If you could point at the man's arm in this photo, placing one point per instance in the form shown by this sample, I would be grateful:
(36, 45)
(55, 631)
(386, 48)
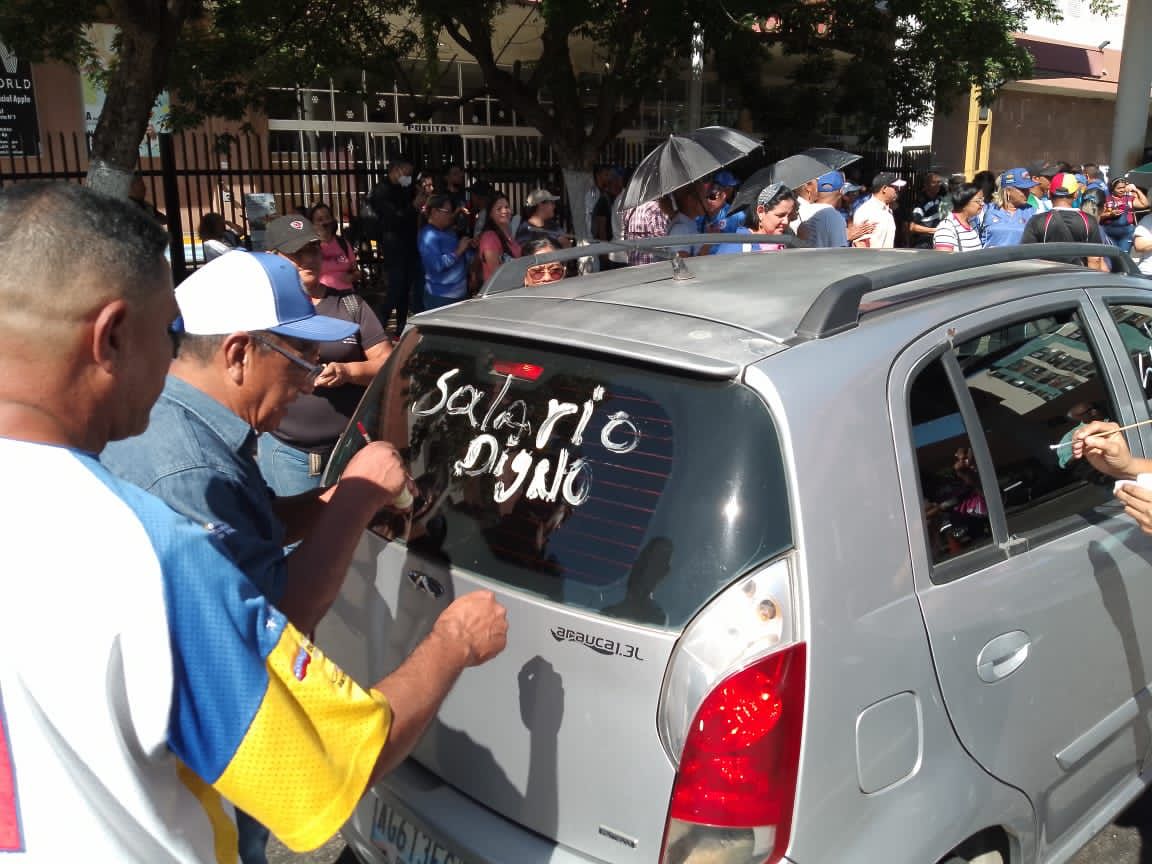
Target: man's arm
(1142, 239)
(316, 568)
(471, 631)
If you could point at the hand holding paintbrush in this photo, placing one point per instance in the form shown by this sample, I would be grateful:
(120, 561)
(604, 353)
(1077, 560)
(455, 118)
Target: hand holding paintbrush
(1107, 451)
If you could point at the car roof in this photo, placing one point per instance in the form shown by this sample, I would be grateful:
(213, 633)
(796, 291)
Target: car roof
(712, 314)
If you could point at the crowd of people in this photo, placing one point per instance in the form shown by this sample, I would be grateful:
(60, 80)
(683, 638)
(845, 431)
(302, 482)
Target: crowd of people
(437, 240)
(1045, 202)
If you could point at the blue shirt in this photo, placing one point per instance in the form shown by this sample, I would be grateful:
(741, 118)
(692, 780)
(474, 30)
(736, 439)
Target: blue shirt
(998, 227)
(445, 275)
(199, 458)
(739, 248)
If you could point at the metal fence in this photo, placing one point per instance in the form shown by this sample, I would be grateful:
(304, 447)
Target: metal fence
(187, 175)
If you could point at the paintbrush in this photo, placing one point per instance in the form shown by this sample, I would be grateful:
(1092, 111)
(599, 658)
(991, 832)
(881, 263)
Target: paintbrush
(1068, 443)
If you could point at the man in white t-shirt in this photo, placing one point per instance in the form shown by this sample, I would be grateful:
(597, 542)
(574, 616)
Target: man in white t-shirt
(878, 209)
(1142, 245)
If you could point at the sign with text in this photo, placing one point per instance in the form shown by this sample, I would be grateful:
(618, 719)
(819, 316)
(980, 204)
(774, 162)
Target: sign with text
(19, 129)
(433, 128)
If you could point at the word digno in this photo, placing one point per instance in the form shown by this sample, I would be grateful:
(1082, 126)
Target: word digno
(487, 454)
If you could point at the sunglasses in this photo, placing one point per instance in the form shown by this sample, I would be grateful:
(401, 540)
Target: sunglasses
(555, 271)
(312, 369)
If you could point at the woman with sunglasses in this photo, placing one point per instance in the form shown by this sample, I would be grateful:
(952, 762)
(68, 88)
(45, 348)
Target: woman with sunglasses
(542, 274)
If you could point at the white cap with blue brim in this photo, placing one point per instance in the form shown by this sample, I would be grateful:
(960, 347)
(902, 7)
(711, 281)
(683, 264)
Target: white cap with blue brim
(257, 291)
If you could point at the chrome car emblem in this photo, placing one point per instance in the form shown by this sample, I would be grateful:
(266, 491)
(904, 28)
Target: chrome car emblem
(426, 583)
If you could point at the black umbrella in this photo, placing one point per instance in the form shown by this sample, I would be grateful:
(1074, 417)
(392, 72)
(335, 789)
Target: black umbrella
(684, 159)
(833, 158)
(1141, 175)
(792, 172)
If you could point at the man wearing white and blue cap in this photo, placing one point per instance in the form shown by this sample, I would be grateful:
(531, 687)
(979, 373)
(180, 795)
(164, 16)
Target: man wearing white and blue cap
(248, 350)
(822, 225)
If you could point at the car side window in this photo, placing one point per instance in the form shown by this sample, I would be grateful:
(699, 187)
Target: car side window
(1033, 383)
(1134, 322)
(955, 513)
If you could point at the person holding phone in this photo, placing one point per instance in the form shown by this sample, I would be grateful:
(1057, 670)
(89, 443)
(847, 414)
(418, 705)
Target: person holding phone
(1118, 218)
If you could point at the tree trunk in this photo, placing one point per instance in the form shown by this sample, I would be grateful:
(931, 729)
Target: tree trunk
(141, 72)
(578, 185)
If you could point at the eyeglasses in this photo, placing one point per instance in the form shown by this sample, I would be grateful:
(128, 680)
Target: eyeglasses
(552, 271)
(176, 334)
(313, 369)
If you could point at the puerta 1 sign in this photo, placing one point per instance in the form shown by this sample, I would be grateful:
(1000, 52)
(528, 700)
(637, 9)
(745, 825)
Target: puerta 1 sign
(501, 428)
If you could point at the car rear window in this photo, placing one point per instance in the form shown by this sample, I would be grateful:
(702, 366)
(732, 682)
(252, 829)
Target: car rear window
(625, 490)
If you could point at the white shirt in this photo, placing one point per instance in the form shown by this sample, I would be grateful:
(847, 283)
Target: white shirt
(86, 674)
(804, 211)
(1143, 259)
(883, 236)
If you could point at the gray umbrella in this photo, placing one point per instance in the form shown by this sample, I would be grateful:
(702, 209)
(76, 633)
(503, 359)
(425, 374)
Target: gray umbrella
(684, 159)
(792, 172)
(833, 158)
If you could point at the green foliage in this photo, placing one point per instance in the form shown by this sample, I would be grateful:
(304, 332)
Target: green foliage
(793, 62)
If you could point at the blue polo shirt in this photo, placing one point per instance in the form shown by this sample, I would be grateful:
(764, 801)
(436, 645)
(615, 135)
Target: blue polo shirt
(199, 458)
(998, 227)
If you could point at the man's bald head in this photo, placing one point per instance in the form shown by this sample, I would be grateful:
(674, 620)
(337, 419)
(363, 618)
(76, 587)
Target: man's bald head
(66, 250)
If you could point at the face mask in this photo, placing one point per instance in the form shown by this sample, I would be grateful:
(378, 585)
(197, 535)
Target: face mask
(405, 180)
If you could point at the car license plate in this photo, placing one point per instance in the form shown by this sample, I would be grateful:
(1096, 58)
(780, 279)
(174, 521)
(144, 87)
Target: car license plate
(408, 843)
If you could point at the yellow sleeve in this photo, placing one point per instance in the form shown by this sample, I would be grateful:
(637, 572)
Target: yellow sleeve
(306, 758)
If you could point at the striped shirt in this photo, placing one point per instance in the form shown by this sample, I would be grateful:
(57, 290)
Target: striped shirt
(952, 235)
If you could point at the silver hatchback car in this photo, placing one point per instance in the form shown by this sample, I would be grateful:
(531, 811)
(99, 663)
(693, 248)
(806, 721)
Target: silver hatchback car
(796, 561)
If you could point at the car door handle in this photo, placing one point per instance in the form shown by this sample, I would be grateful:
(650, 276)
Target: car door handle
(1003, 656)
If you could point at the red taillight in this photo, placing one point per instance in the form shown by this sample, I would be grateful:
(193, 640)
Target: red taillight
(742, 752)
(527, 371)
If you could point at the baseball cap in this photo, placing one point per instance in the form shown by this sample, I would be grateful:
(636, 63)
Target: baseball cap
(849, 188)
(833, 181)
(1019, 178)
(1064, 185)
(539, 196)
(725, 178)
(260, 291)
(289, 234)
(886, 178)
(1043, 168)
